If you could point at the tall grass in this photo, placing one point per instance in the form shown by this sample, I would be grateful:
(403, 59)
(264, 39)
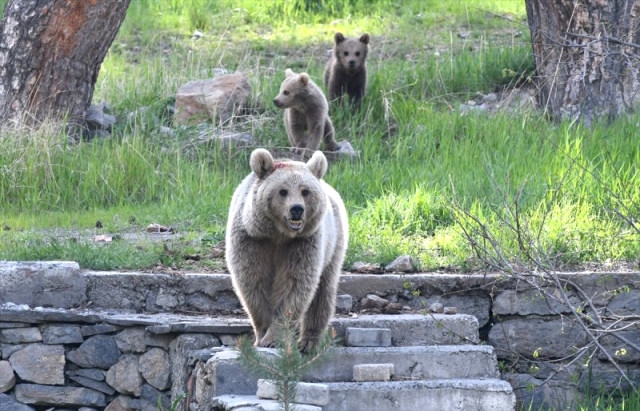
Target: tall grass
(420, 160)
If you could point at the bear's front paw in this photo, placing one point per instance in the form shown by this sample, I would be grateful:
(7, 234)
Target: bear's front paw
(266, 342)
(306, 345)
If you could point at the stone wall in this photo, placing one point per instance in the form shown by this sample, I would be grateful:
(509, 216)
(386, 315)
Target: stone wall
(71, 338)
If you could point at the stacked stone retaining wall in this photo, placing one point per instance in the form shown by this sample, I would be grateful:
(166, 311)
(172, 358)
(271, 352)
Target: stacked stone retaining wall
(78, 339)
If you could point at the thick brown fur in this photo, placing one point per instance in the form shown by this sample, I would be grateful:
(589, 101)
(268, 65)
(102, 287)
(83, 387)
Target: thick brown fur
(306, 113)
(286, 239)
(346, 71)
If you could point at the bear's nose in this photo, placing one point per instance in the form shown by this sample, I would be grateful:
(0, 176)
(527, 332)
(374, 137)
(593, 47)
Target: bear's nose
(352, 63)
(296, 211)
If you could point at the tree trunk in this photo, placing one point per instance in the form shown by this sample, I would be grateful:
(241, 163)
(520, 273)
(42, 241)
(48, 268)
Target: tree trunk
(50, 56)
(587, 56)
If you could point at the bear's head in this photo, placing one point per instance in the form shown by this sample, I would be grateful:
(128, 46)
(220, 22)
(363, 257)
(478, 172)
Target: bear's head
(293, 90)
(351, 53)
(289, 193)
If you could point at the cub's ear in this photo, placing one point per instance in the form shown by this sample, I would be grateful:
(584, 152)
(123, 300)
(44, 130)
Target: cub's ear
(338, 37)
(317, 164)
(261, 162)
(365, 38)
(288, 73)
(304, 78)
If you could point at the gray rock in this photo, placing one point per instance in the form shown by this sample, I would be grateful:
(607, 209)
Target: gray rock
(218, 98)
(625, 303)
(5, 324)
(96, 117)
(373, 301)
(547, 338)
(7, 403)
(99, 351)
(344, 303)
(131, 340)
(93, 373)
(402, 264)
(20, 335)
(58, 396)
(8, 349)
(96, 385)
(40, 363)
(89, 330)
(125, 377)
(155, 367)
(180, 353)
(510, 302)
(123, 403)
(150, 396)
(450, 310)
(436, 308)
(7, 377)
(158, 340)
(61, 334)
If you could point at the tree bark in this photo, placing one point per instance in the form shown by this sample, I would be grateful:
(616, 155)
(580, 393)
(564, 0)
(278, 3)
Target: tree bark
(586, 56)
(50, 56)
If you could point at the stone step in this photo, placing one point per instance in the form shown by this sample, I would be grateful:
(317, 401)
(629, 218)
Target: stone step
(417, 329)
(441, 394)
(225, 375)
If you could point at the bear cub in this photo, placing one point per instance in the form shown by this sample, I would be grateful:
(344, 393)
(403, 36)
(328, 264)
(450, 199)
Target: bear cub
(346, 71)
(286, 238)
(306, 113)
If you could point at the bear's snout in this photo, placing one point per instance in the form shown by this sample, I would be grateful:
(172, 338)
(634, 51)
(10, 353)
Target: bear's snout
(277, 102)
(296, 211)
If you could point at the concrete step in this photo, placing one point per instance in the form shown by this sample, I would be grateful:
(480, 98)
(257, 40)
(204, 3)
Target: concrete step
(442, 394)
(226, 376)
(417, 329)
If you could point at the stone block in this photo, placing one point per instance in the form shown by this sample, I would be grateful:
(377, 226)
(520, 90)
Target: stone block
(344, 303)
(367, 337)
(306, 393)
(372, 372)
(40, 363)
(20, 335)
(57, 284)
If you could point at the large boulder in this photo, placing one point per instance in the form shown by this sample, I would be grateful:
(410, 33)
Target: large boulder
(215, 99)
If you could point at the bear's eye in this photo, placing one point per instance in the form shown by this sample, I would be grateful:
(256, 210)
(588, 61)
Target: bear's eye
(357, 54)
(305, 193)
(286, 92)
(346, 53)
(283, 192)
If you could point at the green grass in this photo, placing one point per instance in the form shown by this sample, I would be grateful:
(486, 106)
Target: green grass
(413, 190)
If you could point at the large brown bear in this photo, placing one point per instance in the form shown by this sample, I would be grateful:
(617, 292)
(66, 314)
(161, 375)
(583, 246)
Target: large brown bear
(346, 71)
(306, 113)
(286, 239)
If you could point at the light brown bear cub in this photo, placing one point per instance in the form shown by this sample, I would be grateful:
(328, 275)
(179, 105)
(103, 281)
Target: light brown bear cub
(346, 71)
(306, 113)
(286, 239)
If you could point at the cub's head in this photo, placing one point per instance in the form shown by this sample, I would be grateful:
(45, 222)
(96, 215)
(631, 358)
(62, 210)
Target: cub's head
(289, 193)
(293, 89)
(351, 53)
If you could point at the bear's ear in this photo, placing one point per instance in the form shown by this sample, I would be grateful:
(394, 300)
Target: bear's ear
(365, 38)
(288, 73)
(304, 78)
(317, 164)
(261, 162)
(339, 38)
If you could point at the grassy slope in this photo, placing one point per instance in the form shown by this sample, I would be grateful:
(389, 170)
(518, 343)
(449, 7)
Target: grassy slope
(408, 191)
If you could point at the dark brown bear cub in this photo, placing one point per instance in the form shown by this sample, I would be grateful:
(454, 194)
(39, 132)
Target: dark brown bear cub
(346, 71)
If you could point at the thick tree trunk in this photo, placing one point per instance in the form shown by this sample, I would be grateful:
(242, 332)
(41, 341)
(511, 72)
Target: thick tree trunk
(587, 56)
(50, 55)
